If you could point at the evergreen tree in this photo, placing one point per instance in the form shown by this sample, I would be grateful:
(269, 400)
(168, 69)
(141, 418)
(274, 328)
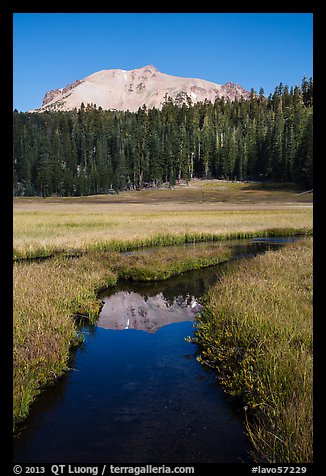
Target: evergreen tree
(304, 156)
(92, 151)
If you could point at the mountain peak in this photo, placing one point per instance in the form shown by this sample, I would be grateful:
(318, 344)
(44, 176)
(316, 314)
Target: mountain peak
(150, 67)
(119, 89)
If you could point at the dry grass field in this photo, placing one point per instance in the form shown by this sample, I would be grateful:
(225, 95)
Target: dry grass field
(204, 210)
(47, 294)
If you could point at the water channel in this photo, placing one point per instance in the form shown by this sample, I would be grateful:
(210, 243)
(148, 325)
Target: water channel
(136, 393)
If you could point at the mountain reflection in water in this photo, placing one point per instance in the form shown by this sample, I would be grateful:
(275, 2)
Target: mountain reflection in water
(131, 310)
(129, 388)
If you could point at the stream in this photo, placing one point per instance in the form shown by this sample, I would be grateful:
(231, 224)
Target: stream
(136, 393)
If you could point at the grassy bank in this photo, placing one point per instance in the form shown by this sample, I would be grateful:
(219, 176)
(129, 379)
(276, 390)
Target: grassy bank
(206, 210)
(48, 294)
(256, 332)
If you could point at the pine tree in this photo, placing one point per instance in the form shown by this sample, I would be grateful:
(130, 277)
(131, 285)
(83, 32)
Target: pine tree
(304, 156)
(90, 150)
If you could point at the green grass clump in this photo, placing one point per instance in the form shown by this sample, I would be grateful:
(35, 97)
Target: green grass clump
(164, 265)
(256, 332)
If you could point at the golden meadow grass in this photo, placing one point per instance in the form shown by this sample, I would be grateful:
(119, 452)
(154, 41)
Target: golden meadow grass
(256, 331)
(43, 229)
(205, 210)
(47, 294)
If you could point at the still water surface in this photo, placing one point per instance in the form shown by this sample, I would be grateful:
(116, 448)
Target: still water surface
(136, 394)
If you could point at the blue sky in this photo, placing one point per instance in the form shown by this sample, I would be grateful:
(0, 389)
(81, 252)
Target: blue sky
(254, 50)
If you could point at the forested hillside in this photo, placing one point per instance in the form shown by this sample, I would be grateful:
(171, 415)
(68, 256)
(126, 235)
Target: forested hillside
(92, 151)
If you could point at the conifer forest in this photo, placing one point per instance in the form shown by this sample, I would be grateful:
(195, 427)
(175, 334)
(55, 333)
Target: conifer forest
(93, 151)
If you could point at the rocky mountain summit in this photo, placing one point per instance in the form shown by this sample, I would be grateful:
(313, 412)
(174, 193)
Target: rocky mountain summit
(118, 89)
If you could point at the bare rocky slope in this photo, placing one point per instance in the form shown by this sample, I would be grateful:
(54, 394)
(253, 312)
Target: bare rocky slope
(118, 89)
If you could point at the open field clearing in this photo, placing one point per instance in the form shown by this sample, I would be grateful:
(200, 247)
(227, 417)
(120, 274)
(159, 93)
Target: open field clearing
(198, 191)
(205, 210)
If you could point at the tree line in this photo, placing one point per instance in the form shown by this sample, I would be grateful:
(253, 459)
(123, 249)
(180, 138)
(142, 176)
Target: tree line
(93, 151)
